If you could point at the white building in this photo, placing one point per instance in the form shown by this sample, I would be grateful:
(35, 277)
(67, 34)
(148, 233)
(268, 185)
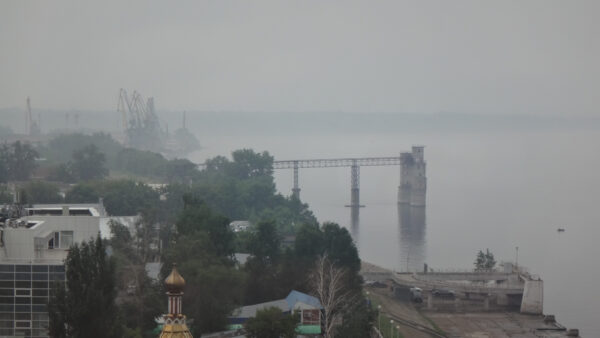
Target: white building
(34, 243)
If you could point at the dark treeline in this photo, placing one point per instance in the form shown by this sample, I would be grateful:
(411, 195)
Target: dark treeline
(81, 157)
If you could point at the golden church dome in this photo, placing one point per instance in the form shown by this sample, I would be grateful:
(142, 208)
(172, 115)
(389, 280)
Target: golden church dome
(174, 282)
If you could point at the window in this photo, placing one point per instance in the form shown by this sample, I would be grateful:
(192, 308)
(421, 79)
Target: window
(23, 324)
(66, 239)
(22, 292)
(311, 317)
(62, 239)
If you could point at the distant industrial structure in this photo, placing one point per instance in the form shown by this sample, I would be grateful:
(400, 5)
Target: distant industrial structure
(143, 130)
(32, 128)
(413, 182)
(140, 123)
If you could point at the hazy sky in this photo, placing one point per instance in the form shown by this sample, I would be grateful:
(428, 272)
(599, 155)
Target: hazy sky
(537, 57)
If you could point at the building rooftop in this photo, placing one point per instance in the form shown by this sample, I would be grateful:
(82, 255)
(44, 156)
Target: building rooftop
(295, 300)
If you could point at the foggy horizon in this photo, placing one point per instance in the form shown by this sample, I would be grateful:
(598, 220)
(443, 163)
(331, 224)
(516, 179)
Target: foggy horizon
(532, 58)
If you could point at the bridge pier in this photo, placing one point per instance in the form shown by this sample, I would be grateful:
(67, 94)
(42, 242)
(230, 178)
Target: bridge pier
(354, 185)
(296, 188)
(355, 189)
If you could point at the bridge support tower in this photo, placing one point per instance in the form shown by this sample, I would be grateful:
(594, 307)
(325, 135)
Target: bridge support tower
(355, 189)
(296, 188)
(354, 185)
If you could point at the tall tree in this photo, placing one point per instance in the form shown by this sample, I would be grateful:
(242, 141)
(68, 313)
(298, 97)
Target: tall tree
(490, 262)
(262, 268)
(198, 217)
(41, 192)
(484, 261)
(265, 242)
(17, 161)
(85, 306)
(247, 163)
(143, 301)
(330, 287)
(180, 171)
(22, 162)
(89, 163)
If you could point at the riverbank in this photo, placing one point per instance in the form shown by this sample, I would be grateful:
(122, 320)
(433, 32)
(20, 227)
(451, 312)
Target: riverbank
(484, 324)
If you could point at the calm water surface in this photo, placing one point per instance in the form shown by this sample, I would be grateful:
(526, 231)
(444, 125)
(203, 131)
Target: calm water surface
(498, 190)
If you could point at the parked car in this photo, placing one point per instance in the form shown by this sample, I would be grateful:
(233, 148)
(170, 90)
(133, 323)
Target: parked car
(375, 284)
(416, 295)
(443, 292)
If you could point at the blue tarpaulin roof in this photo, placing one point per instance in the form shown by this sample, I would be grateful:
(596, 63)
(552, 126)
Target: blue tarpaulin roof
(297, 296)
(286, 305)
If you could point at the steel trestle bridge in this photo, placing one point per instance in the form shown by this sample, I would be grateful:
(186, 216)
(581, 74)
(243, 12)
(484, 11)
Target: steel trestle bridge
(353, 163)
(412, 186)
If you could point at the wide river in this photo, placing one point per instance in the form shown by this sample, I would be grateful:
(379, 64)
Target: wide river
(495, 190)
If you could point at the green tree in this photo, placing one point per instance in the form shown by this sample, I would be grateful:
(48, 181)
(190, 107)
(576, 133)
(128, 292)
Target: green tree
(262, 268)
(203, 250)
(88, 163)
(357, 320)
(247, 163)
(140, 162)
(121, 197)
(62, 173)
(199, 217)
(60, 149)
(490, 262)
(342, 252)
(214, 286)
(272, 323)
(144, 299)
(85, 306)
(265, 242)
(83, 193)
(479, 261)
(484, 261)
(309, 242)
(22, 162)
(41, 192)
(17, 161)
(180, 171)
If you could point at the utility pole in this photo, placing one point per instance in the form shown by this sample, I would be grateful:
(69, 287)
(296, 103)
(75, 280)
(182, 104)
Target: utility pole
(517, 259)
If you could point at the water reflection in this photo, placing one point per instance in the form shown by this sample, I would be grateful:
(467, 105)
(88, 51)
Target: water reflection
(412, 229)
(355, 223)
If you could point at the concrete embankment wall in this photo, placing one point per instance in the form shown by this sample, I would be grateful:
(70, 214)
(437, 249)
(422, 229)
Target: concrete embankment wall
(533, 297)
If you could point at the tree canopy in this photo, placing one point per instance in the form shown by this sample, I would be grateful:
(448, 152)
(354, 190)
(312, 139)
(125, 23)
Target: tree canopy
(121, 197)
(204, 255)
(89, 163)
(85, 306)
(484, 261)
(34, 192)
(17, 161)
(272, 323)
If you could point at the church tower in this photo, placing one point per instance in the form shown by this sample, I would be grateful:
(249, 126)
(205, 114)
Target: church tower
(175, 326)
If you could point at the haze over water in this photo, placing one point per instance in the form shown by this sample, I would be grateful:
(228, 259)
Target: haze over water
(495, 189)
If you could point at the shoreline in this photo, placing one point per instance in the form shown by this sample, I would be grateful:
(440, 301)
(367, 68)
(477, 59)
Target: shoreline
(395, 302)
